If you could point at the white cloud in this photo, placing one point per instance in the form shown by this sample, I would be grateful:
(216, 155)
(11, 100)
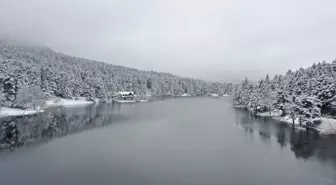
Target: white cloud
(213, 39)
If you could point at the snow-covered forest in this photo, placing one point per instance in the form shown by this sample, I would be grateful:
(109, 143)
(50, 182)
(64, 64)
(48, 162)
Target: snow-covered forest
(31, 74)
(304, 95)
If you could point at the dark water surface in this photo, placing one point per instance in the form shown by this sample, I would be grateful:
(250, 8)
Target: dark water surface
(193, 141)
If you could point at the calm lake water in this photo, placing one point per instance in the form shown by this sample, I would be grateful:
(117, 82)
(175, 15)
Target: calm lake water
(191, 141)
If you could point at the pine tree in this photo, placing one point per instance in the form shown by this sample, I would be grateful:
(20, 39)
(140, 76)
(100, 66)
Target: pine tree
(281, 100)
(10, 88)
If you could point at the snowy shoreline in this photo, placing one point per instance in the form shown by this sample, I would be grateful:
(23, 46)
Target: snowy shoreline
(5, 112)
(327, 126)
(55, 102)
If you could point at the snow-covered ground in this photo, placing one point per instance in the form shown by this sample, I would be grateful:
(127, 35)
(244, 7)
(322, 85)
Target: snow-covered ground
(215, 96)
(185, 95)
(67, 103)
(269, 114)
(287, 119)
(130, 101)
(327, 126)
(124, 101)
(277, 116)
(4, 112)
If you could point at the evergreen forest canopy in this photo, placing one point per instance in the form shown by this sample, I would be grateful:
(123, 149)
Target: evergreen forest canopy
(31, 73)
(306, 94)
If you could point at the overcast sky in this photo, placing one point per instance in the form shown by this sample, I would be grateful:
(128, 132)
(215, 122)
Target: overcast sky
(209, 39)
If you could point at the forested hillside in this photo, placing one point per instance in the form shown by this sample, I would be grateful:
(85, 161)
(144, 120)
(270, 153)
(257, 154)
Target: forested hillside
(42, 73)
(306, 94)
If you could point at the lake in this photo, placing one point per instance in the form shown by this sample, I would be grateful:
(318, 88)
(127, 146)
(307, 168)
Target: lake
(187, 141)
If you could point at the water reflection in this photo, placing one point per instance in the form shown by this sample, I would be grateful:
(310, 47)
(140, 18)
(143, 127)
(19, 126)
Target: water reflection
(304, 144)
(170, 142)
(56, 122)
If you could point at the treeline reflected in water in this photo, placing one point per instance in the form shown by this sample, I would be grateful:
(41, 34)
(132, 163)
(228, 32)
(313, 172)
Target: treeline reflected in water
(57, 122)
(304, 144)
